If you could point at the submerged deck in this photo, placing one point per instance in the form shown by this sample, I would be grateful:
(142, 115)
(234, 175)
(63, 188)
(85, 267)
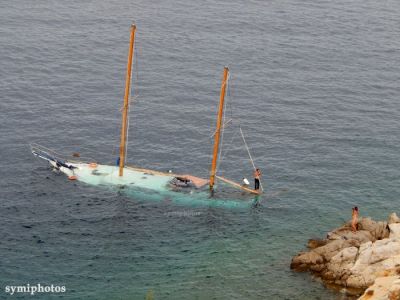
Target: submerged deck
(103, 174)
(143, 178)
(197, 181)
(133, 176)
(239, 186)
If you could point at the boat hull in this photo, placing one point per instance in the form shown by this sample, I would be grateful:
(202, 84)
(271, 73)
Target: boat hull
(109, 175)
(141, 182)
(98, 174)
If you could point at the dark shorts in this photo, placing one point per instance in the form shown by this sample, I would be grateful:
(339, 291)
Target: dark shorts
(256, 183)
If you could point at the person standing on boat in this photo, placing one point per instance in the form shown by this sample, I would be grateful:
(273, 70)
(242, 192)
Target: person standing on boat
(354, 219)
(257, 177)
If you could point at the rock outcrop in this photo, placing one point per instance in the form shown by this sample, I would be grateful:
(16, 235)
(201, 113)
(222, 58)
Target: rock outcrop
(385, 287)
(357, 260)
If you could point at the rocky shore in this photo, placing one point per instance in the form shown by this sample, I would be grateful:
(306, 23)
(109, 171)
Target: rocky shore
(366, 261)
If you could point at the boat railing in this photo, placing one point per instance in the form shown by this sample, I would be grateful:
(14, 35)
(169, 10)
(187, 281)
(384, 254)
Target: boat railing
(36, 148)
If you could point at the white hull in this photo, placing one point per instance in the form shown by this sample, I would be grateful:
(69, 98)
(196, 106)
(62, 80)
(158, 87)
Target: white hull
(109, 175)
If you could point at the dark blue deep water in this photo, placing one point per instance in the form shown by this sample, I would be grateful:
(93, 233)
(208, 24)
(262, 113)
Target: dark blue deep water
(315, 85)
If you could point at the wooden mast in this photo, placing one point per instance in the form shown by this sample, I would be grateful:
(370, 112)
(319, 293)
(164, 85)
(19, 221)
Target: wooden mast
(125, 110)
(218, 130)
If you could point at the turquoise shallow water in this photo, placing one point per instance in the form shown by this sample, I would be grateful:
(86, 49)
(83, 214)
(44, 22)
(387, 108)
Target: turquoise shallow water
(314, 83)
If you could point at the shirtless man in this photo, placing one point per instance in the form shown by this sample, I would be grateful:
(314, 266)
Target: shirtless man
(257, 176)
(354, 219)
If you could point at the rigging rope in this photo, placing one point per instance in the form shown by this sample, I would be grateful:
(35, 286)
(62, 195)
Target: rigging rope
(224, 150)
(248, 151)
(228, 148)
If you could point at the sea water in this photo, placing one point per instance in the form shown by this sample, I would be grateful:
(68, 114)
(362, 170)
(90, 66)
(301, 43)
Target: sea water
(314, 85)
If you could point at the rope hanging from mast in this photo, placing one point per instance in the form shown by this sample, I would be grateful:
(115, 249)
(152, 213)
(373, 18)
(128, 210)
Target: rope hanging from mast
(247, 147)
(222, 154)
(248, 152)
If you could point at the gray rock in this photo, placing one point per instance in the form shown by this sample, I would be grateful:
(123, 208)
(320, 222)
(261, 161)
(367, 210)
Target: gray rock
(378, 230)
(314, 243)
(394, 229)
(350, 259)
(305, 260)
(393, 218)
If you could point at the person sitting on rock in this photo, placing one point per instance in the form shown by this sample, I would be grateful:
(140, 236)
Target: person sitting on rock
(354, 219)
